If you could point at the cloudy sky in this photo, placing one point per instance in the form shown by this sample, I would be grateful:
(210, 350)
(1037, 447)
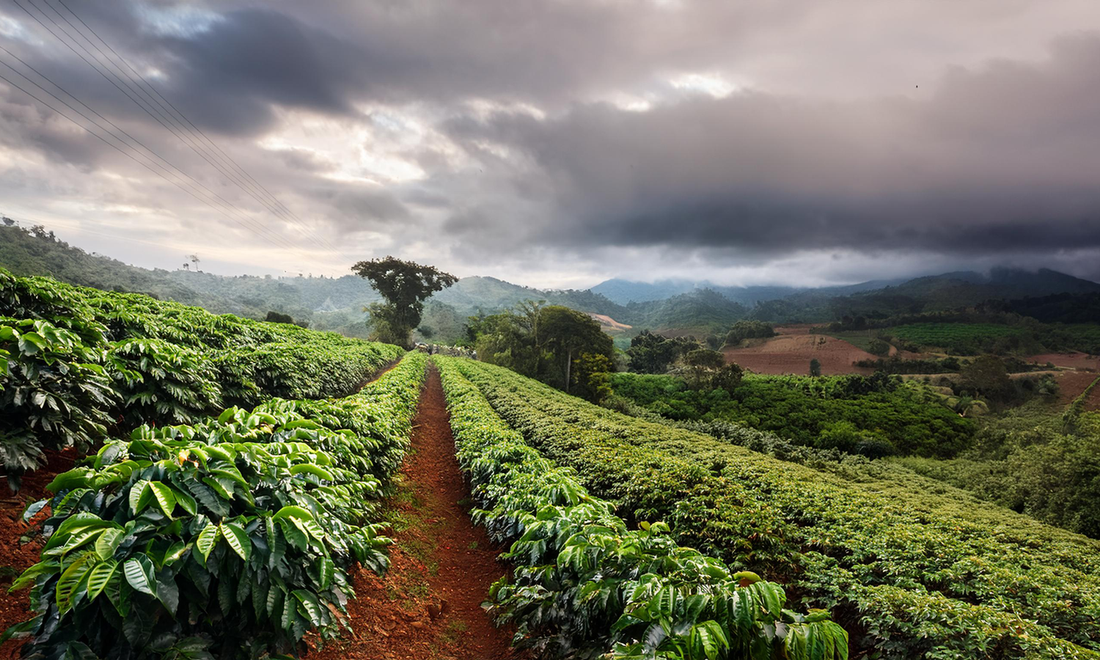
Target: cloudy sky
(560, 142)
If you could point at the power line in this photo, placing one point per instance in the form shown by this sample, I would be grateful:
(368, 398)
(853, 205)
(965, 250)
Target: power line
(232, 170)
(250, 224)
(167, 104)
(115, 147)
(133, 93)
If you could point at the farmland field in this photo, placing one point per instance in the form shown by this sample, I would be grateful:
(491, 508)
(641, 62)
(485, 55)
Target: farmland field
(908, 562)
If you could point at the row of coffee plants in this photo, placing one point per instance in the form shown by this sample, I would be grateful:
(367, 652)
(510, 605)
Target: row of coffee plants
(228, 538)
(923, 572)
(78, 364)
(585, 584)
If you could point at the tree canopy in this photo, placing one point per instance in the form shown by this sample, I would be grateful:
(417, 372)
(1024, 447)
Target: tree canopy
(405, 285)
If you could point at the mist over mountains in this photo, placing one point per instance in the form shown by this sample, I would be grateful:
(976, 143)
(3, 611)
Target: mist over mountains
(680, 306)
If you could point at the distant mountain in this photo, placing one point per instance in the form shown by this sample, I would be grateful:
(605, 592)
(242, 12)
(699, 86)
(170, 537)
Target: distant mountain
(624, 292)
(959, 289)
(327, 303)
(700, 313)
(671, 306)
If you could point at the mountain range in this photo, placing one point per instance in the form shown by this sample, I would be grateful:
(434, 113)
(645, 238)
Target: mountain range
(671, 306)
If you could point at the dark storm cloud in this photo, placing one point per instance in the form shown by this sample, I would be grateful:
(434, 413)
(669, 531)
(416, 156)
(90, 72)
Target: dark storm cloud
(999, 159)
(392, 116)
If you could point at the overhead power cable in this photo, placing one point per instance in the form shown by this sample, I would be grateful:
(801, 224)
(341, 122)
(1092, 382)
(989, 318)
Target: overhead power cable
(119, 149)
(156, 106)
(252, 225)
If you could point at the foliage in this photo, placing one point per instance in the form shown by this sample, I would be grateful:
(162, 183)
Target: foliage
(585, 583)
(743, 330)
(927, 571)
(592, 377)
(54, 393)
(815, 367)
(542, 342)
(855, 414)
(879, 347)
(987, 377)
(231, 537)
(652, 354)
(405, 286)
(80, 363)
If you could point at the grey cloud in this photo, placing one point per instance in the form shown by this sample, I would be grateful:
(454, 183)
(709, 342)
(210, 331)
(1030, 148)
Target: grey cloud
(990, 160)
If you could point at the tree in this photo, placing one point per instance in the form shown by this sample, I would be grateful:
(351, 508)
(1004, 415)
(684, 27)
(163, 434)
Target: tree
(878, 346)
(987, 377)
(748, 330)
(567, 333)
(727, 378)
(652, 354)
(405, 286)
(543, 342)
(702, 362)
(815, 367)
(592, 377)
(278, 317)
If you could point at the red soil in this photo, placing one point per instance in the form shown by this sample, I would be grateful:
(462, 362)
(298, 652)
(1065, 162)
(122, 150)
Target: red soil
(791, 351)
(1072, 383)
(1069, 360)
(429, 603)
(15, 557)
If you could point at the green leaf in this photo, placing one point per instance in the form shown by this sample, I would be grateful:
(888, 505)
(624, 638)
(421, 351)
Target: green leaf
(237, 539)
(99, 576)
(139, 573)
(107, 543)
(314, 470)
(136, 492)
(293, 512)
(164, 496)
(309, 606)
(68, 585)
(186, 502)
(207, 539)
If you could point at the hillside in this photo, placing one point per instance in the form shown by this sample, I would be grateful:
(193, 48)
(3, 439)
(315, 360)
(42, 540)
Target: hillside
(670, 306)
(326, 303)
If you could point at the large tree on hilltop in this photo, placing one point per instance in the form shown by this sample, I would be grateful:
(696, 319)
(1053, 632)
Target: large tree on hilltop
(405, 286)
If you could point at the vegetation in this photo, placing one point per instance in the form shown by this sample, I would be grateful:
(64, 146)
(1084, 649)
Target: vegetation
(1035, 461)
(77, 365)
(653, 354)
(230, 538)
(918, 567)
(544, 341)
(405, 286)
(586, 584)
(743, 330)
(871, 416)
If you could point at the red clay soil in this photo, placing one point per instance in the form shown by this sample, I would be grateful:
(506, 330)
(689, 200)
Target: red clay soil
(1069, 360)
(791, 351)
(428, 605)
(1072, 383)
(15, 557)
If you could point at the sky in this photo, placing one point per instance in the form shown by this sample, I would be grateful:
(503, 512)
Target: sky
(558, 143)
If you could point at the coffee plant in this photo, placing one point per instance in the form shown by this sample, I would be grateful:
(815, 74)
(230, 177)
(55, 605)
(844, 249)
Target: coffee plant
(79, 364)
(229, 538)
(926, 571)
(585, 584)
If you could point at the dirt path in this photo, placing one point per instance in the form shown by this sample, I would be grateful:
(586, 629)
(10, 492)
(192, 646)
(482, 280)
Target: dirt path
(429, 603)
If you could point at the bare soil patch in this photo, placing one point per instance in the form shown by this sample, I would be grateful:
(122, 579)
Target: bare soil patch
(1072, 383)
(16, 557)
(428, 605)
(791, 351)
(1069, 360)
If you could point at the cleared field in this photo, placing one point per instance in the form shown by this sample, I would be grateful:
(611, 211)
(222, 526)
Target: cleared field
(792, 349)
